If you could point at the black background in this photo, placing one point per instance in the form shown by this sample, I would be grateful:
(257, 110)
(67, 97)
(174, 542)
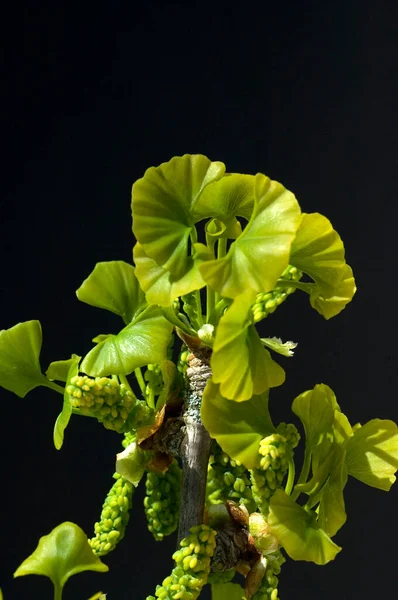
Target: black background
(95, 94)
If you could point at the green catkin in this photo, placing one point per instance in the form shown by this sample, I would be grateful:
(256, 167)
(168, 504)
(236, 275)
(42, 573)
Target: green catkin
(268, 589)
(274, 453)
(104, 398)
(267, 303)
(162, 501)
(227, 479)
(192, 566)
(114, 517)
(290, 433)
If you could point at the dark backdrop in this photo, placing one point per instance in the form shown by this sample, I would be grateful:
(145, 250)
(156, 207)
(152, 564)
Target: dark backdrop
(302, 91)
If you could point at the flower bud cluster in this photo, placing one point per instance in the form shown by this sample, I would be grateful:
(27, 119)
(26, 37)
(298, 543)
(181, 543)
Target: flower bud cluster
(153, 377)
(192, 566)
(267, 303)
(104, 398)
(114, 517)
(182, 363)
(268, 589)
(290, 433)
(269, 476)
(227, 479)
(162, 501)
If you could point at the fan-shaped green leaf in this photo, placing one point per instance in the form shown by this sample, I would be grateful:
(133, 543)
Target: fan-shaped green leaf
(113, 286)
(319, 251)
(298, 531)
(258, 257)
(237, 427)
(231, 196)
(163, 203)
(60, 554)
(142, 342)
(20, 348)
(329, 304)
(240, 363)
(59, 369)
(331, 511)
(161, 286)
(64, 416)
(316, 408)
(372, 453)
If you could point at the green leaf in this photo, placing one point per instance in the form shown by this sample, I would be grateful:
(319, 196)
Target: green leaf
(131, 463)
(331, 511)
(231, 196)
(298, 531)
(261, 253)
(227, 591)
(60, 554)
(372, 453)
(163, 203)
(113, 286)
(64, 416)
(59, 369)
(332, 303)
(160, 286)
(142, 342)
(237, 427)
(318, 251)
(316, 409)
(240, 363)
(20, 348)
(276, 344)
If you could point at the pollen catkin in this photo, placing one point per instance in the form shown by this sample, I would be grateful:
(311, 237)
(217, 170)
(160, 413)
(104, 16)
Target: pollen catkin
(192, 566)
(267, 303)
(227, 479)
(183, 363)
(104, 398)
(290, 433)
(268, 589)
(273, 467)
(114, 517)
(162, 501)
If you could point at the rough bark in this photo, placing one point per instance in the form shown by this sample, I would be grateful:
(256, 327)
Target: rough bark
(195, 447)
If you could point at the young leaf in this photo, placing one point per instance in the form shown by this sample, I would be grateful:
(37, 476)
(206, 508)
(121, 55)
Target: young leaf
(59, 555)
(131, 463)
(231, 196)
(142, 342)
(372, 453)
(316, 408)
(64, 416)
(276, 344)
(298, 531)
(227, 591)
(160, 286)
(240, 363)
(162, 204)
(330, 304)
(237, 427)
(20, 348)
(258, 257)
(331, 511)
(59, 369)
(319, 251)
(113, 286)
